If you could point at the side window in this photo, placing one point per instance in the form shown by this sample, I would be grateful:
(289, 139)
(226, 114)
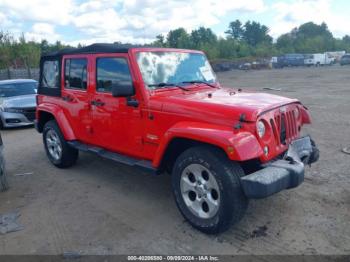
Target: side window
(50, 75)
(75, 75)
(111, 71)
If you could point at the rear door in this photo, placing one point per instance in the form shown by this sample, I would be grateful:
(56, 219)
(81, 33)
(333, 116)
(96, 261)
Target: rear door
(76, 94)
(116, 125)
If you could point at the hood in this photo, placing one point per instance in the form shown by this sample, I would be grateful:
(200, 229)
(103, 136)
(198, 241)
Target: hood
(224, 102)
(18, 101)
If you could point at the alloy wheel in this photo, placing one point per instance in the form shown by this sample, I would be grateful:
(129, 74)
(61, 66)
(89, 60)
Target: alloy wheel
(200, 191)
(53, 144)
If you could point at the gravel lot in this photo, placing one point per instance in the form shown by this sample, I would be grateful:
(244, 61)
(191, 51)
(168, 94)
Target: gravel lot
(99, 207)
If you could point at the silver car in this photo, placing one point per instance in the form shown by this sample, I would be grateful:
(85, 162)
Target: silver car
(17, 102)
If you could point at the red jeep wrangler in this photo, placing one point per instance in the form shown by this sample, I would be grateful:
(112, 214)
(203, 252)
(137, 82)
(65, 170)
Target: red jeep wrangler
(163, 110)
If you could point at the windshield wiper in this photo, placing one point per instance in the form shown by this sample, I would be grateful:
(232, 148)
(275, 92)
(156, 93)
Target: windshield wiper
(199, 82)
(168, 84)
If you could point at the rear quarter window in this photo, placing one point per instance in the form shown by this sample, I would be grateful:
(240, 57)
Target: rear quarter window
(50, 74)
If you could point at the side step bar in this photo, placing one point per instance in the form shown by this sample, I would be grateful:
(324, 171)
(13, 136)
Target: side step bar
(145, 165)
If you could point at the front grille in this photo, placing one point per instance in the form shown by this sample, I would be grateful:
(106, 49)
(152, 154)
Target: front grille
(284, 126)
(30, 116)
(292, 124)
(29, 112)
(283, 131)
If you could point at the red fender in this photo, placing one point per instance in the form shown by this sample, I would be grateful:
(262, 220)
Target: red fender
(238, 146)
(305, 116)
(60, 118)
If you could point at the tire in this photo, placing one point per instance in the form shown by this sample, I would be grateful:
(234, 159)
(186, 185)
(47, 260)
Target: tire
(3, 177)
(316, 152)
(208, 164)
(57, 149)
(1, 124)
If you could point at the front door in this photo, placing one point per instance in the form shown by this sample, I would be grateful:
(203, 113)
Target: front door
(116, 126)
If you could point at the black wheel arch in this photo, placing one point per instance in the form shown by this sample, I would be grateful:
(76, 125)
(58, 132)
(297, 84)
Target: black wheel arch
(43, 118)
(176, 147)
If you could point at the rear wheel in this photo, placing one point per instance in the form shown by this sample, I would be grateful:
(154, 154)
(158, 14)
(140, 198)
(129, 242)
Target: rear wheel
(57, 149)
(3, 177)
(207, 189)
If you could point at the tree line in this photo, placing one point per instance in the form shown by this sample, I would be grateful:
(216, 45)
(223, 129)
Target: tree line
(247, 40)
(252, 39)
(21, 53)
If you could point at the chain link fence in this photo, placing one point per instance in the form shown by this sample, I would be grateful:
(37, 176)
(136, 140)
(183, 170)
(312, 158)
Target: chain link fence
(25, 73)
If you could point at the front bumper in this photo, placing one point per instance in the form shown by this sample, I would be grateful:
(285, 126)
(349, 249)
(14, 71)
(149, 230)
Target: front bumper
(282, 174)
(15, 119)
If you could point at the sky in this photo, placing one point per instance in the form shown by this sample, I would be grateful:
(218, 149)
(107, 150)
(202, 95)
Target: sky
(139, 21)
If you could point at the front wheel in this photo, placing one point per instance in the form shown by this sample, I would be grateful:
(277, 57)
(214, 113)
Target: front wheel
(207, 190)
(57, 149)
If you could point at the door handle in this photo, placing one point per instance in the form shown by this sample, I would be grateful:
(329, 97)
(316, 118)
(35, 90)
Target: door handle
(97, 103)
(132, 102)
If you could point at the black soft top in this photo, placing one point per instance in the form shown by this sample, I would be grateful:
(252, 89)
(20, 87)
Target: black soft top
(57, 57)
(91, 49)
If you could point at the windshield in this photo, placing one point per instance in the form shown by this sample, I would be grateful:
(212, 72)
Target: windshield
(161, 68)
(18, 89)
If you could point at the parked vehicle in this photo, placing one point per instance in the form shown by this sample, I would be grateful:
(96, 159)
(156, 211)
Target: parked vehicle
(274, 62)
(245, 66)
(337, 55)
(163, 110)
(290, 60)
(318, 60)
(345, 60)
(222, 66)
(3, 177)
(17, 102)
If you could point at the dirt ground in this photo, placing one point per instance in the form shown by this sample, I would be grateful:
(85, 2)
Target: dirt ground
(99, 207)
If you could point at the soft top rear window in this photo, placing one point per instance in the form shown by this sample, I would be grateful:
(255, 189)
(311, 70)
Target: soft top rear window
(50, 72)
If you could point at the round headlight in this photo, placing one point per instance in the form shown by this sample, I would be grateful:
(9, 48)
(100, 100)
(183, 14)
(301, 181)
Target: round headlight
(261, 129)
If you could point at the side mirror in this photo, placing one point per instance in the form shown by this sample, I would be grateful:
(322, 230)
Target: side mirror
(123, 90)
